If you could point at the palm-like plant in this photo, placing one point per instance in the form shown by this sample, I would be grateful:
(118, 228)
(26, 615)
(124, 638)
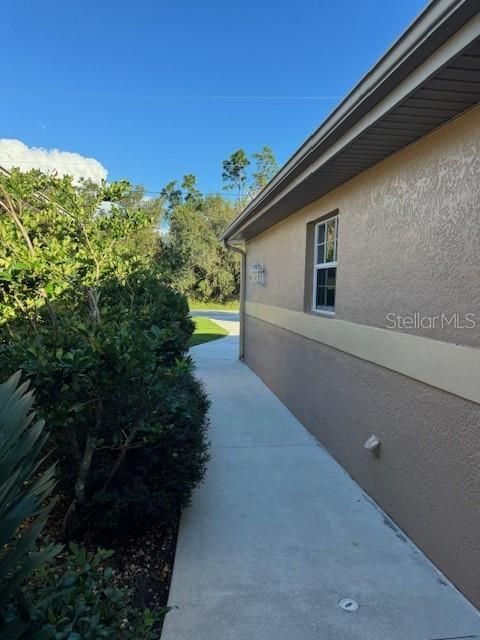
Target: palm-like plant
(24, 493)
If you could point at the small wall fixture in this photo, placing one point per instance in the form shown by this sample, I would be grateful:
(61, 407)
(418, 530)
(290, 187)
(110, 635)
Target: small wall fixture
(257, 273)
(373, 445)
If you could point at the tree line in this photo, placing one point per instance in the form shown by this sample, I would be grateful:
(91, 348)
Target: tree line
(192, 256)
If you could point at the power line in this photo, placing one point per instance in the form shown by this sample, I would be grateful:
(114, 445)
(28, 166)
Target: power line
(153, 96)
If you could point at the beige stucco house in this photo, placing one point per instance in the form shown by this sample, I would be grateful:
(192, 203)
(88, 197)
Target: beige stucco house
(361, 296)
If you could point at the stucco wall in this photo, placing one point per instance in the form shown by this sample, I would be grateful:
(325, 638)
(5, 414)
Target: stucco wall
(409, 242)
(409, 238)
(427, 475)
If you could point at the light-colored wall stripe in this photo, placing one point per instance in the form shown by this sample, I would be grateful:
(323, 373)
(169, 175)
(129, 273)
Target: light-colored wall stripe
(448, 366)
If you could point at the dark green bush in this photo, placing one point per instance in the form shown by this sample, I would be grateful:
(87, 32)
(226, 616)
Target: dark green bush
(156, 480)
(149, 447)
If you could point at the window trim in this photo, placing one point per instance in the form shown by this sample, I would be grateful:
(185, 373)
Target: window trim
(326, 311)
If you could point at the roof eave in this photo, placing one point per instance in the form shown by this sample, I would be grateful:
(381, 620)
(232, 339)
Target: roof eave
(435, 25)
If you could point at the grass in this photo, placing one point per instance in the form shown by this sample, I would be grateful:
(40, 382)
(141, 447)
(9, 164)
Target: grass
(198, 305)
(206, 330)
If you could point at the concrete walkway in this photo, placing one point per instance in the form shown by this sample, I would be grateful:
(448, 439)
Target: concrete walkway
(278, 534)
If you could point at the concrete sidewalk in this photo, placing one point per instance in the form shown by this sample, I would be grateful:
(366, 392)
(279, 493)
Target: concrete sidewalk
(278, 534)
(230, 320)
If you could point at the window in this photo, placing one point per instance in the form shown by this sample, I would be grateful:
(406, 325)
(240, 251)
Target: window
(325, 254)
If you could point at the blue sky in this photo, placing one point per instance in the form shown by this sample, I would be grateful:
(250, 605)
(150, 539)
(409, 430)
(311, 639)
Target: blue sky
(156, 89)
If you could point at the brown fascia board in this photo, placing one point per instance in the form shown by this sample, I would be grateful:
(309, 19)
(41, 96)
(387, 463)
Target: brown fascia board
(436, 24)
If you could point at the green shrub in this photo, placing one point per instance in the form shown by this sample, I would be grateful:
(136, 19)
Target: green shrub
(148, 447)
(23, 497)
(76, 599)
(87, 316)
(156, 480)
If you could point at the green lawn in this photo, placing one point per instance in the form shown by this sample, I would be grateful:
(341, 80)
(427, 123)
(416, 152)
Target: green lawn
(206, 330)
(198, 305)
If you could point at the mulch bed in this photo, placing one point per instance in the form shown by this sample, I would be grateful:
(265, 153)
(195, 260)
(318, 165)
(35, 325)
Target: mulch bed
(142, 562)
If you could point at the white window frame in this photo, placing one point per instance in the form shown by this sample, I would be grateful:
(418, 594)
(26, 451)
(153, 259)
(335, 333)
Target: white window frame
(317, 266)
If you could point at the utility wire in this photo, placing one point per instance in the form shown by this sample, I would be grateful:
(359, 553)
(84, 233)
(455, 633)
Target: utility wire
(153, 96)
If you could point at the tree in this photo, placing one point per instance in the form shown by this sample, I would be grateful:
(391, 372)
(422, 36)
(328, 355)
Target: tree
(234, 174)
(189, 188)
(265, 168)
(199, 264)
(172, 195)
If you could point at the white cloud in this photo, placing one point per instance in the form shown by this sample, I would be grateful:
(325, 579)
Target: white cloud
(14, 153)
